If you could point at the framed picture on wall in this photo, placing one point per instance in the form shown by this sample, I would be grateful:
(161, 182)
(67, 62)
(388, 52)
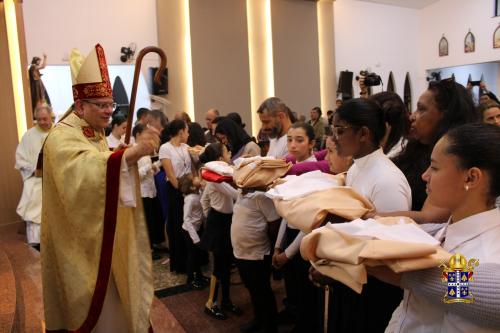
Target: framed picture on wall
(497, 8)
(469, 43)
(496, 38)
(443, 46)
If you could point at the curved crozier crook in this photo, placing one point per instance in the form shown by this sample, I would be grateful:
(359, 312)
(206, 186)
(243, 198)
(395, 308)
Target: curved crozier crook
(157, 78)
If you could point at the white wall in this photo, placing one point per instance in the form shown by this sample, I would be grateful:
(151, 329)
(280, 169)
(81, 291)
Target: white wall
(379, 37)
(55, 27)
(454, 18)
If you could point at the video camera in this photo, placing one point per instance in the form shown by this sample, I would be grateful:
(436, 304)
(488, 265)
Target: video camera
(371, 79)
(434, 76)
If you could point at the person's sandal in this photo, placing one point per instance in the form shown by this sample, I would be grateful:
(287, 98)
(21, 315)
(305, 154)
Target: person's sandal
(215, 312)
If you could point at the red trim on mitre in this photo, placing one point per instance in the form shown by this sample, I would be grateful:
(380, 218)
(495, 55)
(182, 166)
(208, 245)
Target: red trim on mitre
(95, 89)
(108, 237)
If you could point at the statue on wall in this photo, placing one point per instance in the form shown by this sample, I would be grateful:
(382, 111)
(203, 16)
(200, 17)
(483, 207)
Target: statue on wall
(39, 95)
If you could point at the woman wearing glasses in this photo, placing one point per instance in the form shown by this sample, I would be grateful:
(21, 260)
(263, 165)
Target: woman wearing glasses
(359, 127)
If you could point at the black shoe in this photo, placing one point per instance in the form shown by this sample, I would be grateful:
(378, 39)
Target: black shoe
(215, 312)
(234, 309)
(160, 248)
(155, 255)
(196, 285)
(202, 278)
(251, 327)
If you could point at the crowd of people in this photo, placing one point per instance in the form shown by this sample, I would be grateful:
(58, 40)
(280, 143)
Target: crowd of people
(439, 165)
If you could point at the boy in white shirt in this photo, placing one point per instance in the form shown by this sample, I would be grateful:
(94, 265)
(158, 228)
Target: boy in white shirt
(193, 221)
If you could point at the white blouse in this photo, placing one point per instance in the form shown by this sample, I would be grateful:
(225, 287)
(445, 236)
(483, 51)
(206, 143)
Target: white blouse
(193, 216)
(474, 237)
(219, 196)
(146, 176)
(379, 180)
(112, 141)
(178, 156)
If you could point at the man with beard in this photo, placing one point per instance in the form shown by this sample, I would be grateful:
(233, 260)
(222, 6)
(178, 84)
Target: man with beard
(275, 118)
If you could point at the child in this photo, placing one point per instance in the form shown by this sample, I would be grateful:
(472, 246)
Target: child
(217, 202)
(152, 210)
(193, 220)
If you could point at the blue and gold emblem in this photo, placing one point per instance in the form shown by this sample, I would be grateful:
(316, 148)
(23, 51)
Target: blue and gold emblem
(457, 275)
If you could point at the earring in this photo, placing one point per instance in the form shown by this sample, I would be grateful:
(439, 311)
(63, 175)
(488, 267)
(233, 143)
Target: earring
(466, 187)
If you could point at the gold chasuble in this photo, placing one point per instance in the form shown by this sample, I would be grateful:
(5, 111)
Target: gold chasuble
(90, 241)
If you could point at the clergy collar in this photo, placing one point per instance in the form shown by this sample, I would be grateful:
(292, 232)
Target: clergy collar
(363, 161)
(470, 227)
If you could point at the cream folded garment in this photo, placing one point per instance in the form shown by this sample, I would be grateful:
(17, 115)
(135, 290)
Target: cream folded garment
(343, 251)
(305, 201)
(259, 172)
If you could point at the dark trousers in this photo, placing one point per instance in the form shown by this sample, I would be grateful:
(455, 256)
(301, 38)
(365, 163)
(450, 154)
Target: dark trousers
(222, 271)
(154, 221)
(176, 241)
(195, 257)
(303, 294)
(256, 276)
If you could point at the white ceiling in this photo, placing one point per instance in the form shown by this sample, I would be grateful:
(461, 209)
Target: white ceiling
(417, 4)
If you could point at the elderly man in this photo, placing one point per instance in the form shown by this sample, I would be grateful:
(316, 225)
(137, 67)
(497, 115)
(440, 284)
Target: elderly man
(275, 118)
(30, 205)
(96, 261)
(209, 118)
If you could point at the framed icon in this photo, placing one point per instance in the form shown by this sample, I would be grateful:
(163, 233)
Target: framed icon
(469, 43)
(496, 38)
(443, 46)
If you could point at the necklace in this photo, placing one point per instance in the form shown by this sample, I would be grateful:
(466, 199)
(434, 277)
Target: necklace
(180, 154)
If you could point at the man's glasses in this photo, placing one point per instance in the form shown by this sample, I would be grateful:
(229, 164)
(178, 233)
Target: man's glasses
(103, 106)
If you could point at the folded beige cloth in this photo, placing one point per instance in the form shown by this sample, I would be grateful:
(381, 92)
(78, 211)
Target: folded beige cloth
(309, 212)
(344, 257)
(260, 173)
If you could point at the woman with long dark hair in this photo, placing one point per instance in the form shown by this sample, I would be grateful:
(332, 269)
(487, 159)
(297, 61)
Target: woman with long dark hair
(443, 106)
(397, 120)
(176, 162)
(236, 139)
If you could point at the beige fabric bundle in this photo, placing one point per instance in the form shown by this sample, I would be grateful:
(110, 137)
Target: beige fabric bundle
(309, 212)
(345, 258)
(260, 173)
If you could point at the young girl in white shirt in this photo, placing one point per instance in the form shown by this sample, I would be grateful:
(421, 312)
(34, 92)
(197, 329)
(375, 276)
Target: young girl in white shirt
(359, 127)
(217, 202)
(301, 294)
(464, 177)
(118, 128)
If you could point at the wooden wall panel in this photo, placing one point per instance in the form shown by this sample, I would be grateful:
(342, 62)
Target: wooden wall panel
(10, 179)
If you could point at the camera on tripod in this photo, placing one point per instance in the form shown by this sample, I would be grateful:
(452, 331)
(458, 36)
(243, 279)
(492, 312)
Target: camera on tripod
(371, 79)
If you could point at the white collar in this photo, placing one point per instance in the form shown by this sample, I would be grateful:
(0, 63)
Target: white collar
(470, 227)
(362, 162)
